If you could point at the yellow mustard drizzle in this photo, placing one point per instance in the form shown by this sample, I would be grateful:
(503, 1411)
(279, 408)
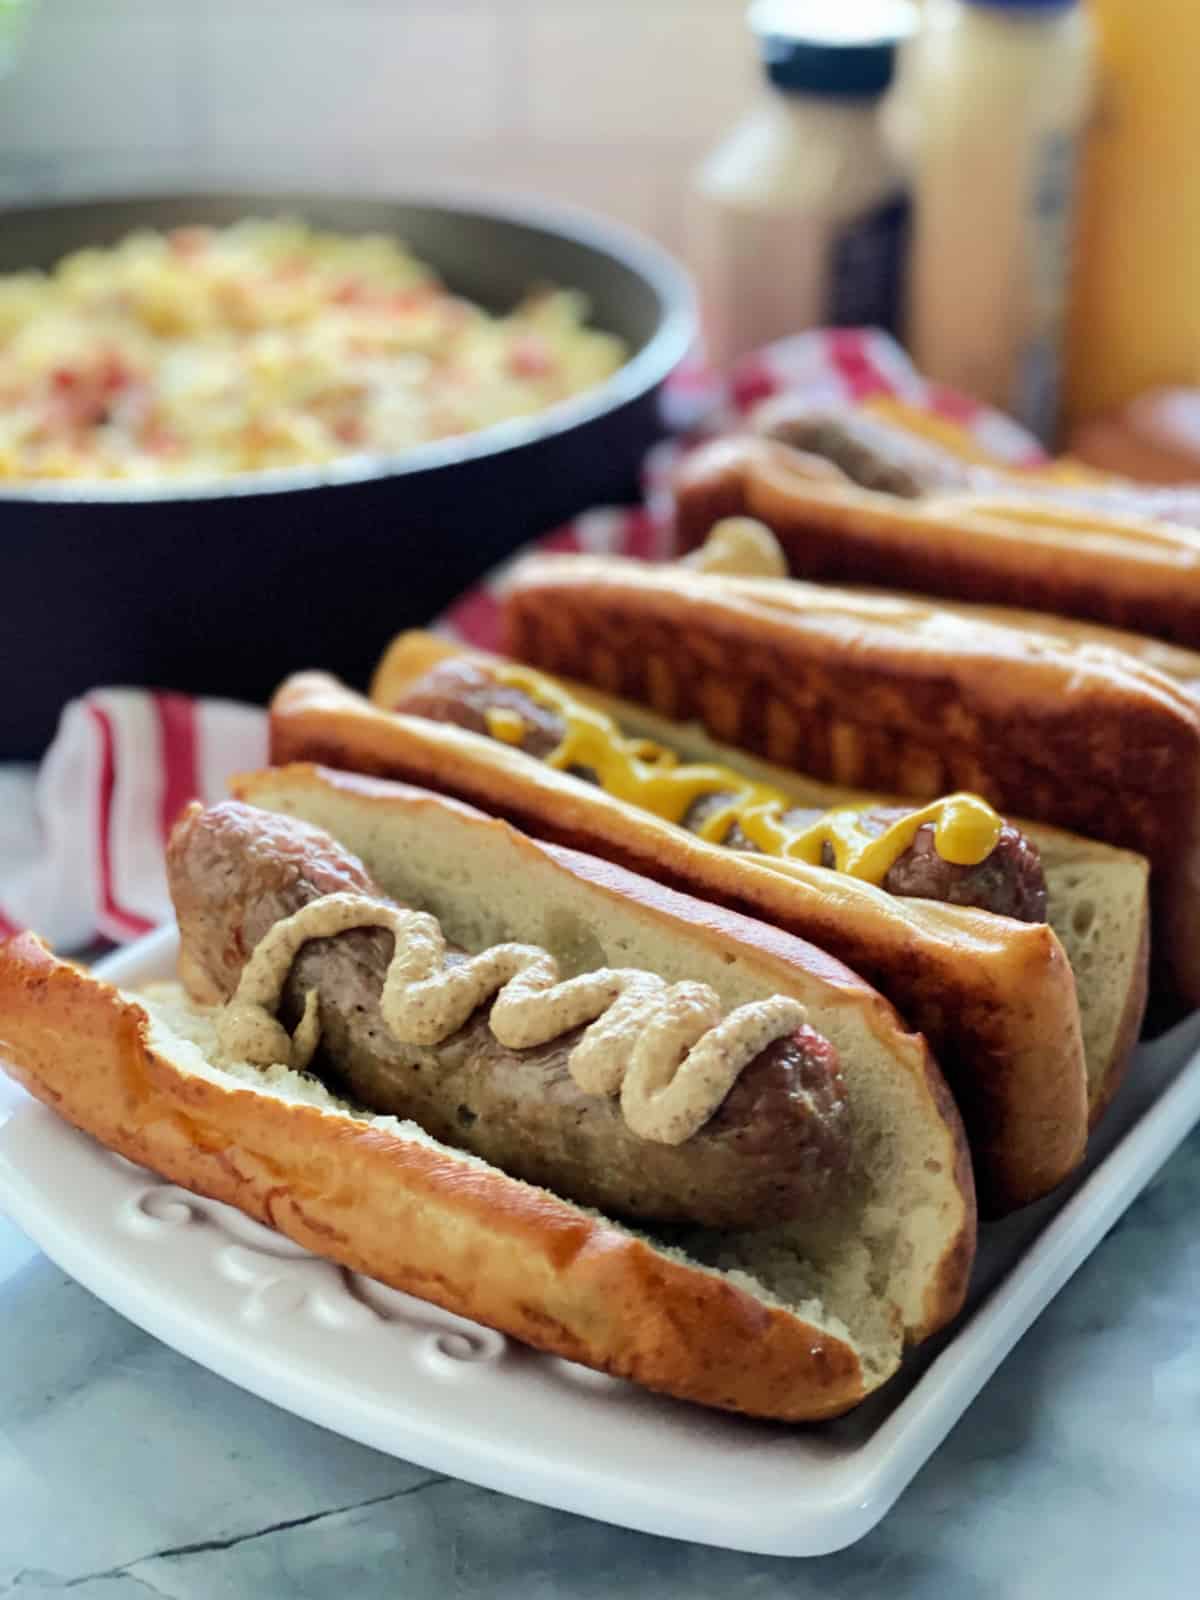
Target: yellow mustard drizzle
(505, 725)
(649, 775)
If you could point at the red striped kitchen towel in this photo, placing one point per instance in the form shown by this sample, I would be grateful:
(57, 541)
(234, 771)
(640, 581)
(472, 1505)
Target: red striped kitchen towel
(81, 844)
(81, 840)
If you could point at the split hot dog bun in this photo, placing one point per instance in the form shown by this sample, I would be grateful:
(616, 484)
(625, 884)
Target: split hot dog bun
(888, 692)
(744, 547)
(1088, 554)
(485, 1051)
(794, 1322)
(995, 996)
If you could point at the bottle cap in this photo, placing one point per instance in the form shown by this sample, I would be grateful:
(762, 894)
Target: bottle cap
(841, 50)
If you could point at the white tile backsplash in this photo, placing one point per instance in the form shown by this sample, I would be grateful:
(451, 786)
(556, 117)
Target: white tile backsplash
(82, 84)
(604, 104)
(662, 71)
(364, 79)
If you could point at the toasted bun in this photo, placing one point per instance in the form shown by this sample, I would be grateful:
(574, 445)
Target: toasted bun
(996, 997)
(793, 1323)
(891, 693)
(1098, 896)
(1002, 545)
(701, 507)
(1172, 660)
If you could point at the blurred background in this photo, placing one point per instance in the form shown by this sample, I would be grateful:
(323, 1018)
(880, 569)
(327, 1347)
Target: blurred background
(604, 104)
(995, 198)
(611, 105)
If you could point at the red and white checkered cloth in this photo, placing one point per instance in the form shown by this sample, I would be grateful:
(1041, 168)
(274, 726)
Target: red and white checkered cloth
(81, 839)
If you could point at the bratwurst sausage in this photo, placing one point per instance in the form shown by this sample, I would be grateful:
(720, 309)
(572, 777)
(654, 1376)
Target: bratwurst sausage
(774, 1149)
(871, 452)
(1008, 881)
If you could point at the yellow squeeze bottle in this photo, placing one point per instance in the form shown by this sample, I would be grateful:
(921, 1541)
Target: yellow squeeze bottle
(1135, 312)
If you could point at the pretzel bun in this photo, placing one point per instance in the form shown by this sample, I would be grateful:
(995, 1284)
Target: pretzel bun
(795, 1322)
(1111, 554)
(1031, 1045)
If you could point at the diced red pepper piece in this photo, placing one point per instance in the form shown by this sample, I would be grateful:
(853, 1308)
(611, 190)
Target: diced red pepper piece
(530, 358)
(189, 242)
(414, 299)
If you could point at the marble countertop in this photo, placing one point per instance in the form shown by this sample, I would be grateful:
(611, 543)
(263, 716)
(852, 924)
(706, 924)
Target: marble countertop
(126, 1471)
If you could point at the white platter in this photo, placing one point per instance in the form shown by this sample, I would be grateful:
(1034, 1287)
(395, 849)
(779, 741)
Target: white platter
(395, 1373)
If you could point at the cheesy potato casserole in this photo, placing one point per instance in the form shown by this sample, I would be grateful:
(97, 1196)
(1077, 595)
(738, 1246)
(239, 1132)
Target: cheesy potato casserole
(204, 352)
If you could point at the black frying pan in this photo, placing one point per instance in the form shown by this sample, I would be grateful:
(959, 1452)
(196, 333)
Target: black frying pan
(223, 588)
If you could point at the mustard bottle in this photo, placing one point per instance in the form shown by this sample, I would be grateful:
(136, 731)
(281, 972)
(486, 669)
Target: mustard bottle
(1135, 314)
(990, 106)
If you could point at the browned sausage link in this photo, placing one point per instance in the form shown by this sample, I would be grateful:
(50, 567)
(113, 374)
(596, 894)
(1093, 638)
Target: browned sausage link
(1009, 881)
(774, 1150)
(463, 692)
(872, 453)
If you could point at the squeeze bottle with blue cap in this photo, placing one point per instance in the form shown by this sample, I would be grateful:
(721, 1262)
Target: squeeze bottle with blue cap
(798, 218)
(990, 106)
